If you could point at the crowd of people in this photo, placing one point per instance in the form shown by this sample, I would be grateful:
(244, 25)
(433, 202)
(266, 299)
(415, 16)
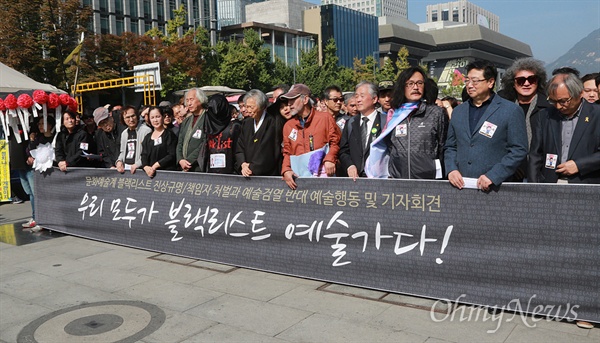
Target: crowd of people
(532, 130)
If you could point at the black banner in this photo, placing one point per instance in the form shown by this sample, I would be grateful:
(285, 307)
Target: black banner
(530, 246)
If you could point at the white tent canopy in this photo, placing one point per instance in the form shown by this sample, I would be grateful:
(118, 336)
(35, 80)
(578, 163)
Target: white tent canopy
(210, 90)
(11, 81)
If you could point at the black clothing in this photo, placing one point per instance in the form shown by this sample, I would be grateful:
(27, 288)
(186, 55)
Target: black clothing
(259, 149)
(161, 150)
(109, 145)
(221, 149)
(71, 146)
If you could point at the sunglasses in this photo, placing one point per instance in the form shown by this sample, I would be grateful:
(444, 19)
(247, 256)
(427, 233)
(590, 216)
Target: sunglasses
(532, 79)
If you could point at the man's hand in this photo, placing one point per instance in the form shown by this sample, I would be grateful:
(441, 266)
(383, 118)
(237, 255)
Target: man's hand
(185, 165)
(484, 183)
(456, 179)
(62, 165)
(30, 161)
(246, 169)
(133, 168)
(329, 168)
(568, 168)
(352, 172)
(289, 177)
(120, 167)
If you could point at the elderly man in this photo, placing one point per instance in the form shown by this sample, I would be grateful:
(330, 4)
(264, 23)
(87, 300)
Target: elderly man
(416, 144)
(308, 130)
(524, 84)
(350, 102)
(487, 137)
(257, 152)
(191, 145)
(565, 147)
(361, 130)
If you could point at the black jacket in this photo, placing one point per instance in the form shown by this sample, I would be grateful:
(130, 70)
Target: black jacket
(352, 151)
(109, 145)
(584, 148)
(259, 149)
(418, 145)
(71, 146)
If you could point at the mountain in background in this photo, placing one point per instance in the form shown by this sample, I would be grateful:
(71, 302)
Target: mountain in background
(585, 56)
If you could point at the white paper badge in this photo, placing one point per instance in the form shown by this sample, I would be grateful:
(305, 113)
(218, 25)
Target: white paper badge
(341, 123)
(293, 135)
(158, 141)
(197, 134)
(129, 154)
(217, 161)
(401, 130)
(488, 129)
(83, 146)
(551, 161)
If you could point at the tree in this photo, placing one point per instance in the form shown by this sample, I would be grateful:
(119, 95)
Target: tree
(402, 61)
(364, 71)
(37, 35)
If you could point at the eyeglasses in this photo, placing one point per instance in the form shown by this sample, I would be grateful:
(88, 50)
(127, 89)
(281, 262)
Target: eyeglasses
(411, 84)
(474, 82)
(337, 99)
(532, 79)
(562, 102)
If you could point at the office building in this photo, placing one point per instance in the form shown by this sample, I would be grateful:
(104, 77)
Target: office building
(378, 8)
(463, 12)
(284, 13)
(232, 12)
(355, 33)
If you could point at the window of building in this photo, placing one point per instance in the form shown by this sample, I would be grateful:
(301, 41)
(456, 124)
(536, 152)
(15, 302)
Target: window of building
(135, 28)
(103, 5)
(434, 15)
(120, 26)
(119, 7)
(104, 27)
(455, 14)
(133, 10)
(444, 15)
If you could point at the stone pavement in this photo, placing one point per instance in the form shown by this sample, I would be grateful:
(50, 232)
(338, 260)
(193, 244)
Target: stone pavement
(65, 289)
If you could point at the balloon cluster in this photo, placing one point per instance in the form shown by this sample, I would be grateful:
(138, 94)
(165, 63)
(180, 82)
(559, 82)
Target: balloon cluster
(15, 111)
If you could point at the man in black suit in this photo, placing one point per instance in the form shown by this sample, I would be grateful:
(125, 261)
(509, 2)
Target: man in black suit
(565, 145)
(361, 130)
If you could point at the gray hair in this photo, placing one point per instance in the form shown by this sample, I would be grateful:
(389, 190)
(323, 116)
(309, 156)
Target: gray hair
(348, 96)
(261, 99)
(529, 64)
(571, 81)
(200, 95)
(371, 87)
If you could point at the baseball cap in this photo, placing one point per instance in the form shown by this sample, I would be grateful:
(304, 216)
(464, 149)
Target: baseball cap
(296, 90)
(100, 114)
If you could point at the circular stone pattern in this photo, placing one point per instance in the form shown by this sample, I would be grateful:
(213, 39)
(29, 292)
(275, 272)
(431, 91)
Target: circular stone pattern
(107, 321)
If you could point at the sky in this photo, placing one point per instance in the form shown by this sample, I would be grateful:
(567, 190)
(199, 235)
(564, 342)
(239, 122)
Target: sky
(550, 27)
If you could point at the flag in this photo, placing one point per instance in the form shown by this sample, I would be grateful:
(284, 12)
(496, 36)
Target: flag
(74, 55)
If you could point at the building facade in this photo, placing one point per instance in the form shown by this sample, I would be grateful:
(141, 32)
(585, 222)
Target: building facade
(378, 8)
(233, 12)
(463, 12)
(356, 34)
(139, 16)
(284, 13)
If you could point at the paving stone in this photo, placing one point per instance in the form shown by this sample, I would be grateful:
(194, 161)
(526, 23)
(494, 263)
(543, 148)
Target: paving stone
(355, 291)
(225, 268)
(29, 285)
(437, 340)
(321, 328)
(174, 259)
(543, 323)
(106, 279)
(246, 286)
(168, 294)
(74, 295)
(178, 327)
(15, 314)
(527, 335)
(8, 271)
(227, 333)
(417, 301)
(170, 271)
(335, 305)
(444, 326)
(54, 265)
(256, 316)
(75, 250)
(10, 257)
(121, 259)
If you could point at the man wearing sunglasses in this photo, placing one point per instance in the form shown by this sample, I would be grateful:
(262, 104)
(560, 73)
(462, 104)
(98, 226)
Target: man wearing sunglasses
(568, 134)
(487, 138)
(334, 99)
(524, 84)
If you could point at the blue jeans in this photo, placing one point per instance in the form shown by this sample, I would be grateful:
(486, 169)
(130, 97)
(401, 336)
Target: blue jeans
(26, 176)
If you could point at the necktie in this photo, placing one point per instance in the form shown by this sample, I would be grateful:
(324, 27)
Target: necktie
(364, 131)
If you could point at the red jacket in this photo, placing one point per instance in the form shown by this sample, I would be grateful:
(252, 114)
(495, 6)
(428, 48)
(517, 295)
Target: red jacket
(323, 129)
